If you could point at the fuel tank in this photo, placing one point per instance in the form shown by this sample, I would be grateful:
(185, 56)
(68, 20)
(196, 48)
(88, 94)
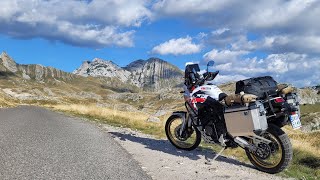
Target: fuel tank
(210, 90)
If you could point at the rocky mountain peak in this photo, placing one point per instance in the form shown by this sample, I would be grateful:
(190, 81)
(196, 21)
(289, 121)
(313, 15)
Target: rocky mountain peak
(8, 62)
(97, 61)
(154, 59)
(82, 70)
(102, 68)
(154, 73)
(135, 65)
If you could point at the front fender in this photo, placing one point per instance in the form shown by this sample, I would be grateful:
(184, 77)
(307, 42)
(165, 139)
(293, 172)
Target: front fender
(181, 114)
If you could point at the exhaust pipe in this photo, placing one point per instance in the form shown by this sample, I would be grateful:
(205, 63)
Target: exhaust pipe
(245, 144)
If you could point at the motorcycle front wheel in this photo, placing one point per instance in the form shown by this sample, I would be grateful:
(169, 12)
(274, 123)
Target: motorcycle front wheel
(190, 138)
(274, 157)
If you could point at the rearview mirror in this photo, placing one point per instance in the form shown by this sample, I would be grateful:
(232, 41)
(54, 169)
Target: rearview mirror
(210, 63)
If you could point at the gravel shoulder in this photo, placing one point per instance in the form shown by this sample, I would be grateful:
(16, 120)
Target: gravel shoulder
(163, 161)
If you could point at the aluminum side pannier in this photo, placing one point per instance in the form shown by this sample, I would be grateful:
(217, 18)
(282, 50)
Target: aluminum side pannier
(246, 120)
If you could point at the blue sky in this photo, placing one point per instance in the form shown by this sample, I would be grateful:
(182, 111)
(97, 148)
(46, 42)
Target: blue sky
(245, 38)
(68, 57)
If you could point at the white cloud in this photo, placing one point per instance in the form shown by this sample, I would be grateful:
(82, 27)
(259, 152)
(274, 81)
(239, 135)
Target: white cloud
(180, 46)
(223, 56)
(86, 23)
(82, 35)
(220, 31)
(187, 7)
(298, 69)
(202, 35)
(231, 13)
(280, 44)
(282, 13)
(221, 79)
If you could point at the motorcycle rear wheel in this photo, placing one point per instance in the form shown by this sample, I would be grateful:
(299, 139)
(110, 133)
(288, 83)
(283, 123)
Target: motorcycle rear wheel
(280, 152)
(190, 139)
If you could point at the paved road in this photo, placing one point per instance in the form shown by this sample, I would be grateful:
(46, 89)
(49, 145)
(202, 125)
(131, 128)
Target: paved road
(36, 143)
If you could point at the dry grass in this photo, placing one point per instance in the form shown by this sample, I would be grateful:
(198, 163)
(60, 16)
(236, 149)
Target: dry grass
(134, 120)
(7, 102)
(309, 142)
(103, 112)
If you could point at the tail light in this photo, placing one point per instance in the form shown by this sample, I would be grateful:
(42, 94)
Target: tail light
(279, 100)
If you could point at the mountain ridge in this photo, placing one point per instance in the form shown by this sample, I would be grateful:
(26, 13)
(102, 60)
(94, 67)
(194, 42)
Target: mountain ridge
(31, 71)
(153, 73)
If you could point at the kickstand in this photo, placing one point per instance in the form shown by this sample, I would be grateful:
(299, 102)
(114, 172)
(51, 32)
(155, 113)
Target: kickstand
(215, 157)
(220, 152)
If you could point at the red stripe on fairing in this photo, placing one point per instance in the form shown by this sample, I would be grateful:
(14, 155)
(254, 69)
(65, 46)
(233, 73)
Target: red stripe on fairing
(200, 100)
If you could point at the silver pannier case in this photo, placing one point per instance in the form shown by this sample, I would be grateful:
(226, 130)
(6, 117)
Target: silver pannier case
(246, 120)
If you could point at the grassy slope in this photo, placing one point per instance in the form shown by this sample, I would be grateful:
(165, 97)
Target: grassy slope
(7, 102)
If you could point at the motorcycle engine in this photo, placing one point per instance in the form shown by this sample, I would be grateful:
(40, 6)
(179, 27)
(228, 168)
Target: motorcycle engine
(212, 121)
(215, 130)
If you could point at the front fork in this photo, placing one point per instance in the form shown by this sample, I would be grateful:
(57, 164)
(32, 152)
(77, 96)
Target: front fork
(186, 121)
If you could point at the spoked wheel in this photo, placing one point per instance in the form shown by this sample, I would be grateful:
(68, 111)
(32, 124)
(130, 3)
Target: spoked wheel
(274, 157)
(188, 140)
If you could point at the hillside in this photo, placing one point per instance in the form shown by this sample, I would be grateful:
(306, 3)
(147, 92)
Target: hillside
(102, 85)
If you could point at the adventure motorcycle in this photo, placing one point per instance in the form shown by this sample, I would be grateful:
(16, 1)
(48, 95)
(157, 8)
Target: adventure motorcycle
(252, 118)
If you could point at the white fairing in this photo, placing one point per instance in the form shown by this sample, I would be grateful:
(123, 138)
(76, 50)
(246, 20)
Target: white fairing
(210, 90)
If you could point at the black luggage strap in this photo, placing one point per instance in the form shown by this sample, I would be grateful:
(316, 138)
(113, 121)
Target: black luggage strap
(269, 102)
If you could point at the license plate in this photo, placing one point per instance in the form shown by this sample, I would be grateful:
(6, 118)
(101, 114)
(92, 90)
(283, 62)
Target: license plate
(295, 121)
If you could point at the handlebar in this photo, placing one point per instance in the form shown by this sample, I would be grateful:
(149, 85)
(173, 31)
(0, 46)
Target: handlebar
(208, 76)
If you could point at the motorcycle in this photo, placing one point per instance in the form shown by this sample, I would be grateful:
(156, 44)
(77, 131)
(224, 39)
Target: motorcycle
(239, 120)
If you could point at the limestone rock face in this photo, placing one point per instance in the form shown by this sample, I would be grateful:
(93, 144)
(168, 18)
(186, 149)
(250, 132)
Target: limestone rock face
(154, 73)
(82, 70)
(8, 63)
(102, 68)
(42, 73)
(32, 71)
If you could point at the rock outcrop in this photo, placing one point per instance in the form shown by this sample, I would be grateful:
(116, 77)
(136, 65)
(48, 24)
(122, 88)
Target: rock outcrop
(99, 67)
(309, 95)
(83, 69)
(32, 71)
(152, 74)
(8, 63)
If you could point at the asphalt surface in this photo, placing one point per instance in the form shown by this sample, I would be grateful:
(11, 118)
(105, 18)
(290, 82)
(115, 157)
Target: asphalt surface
(36, 143)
